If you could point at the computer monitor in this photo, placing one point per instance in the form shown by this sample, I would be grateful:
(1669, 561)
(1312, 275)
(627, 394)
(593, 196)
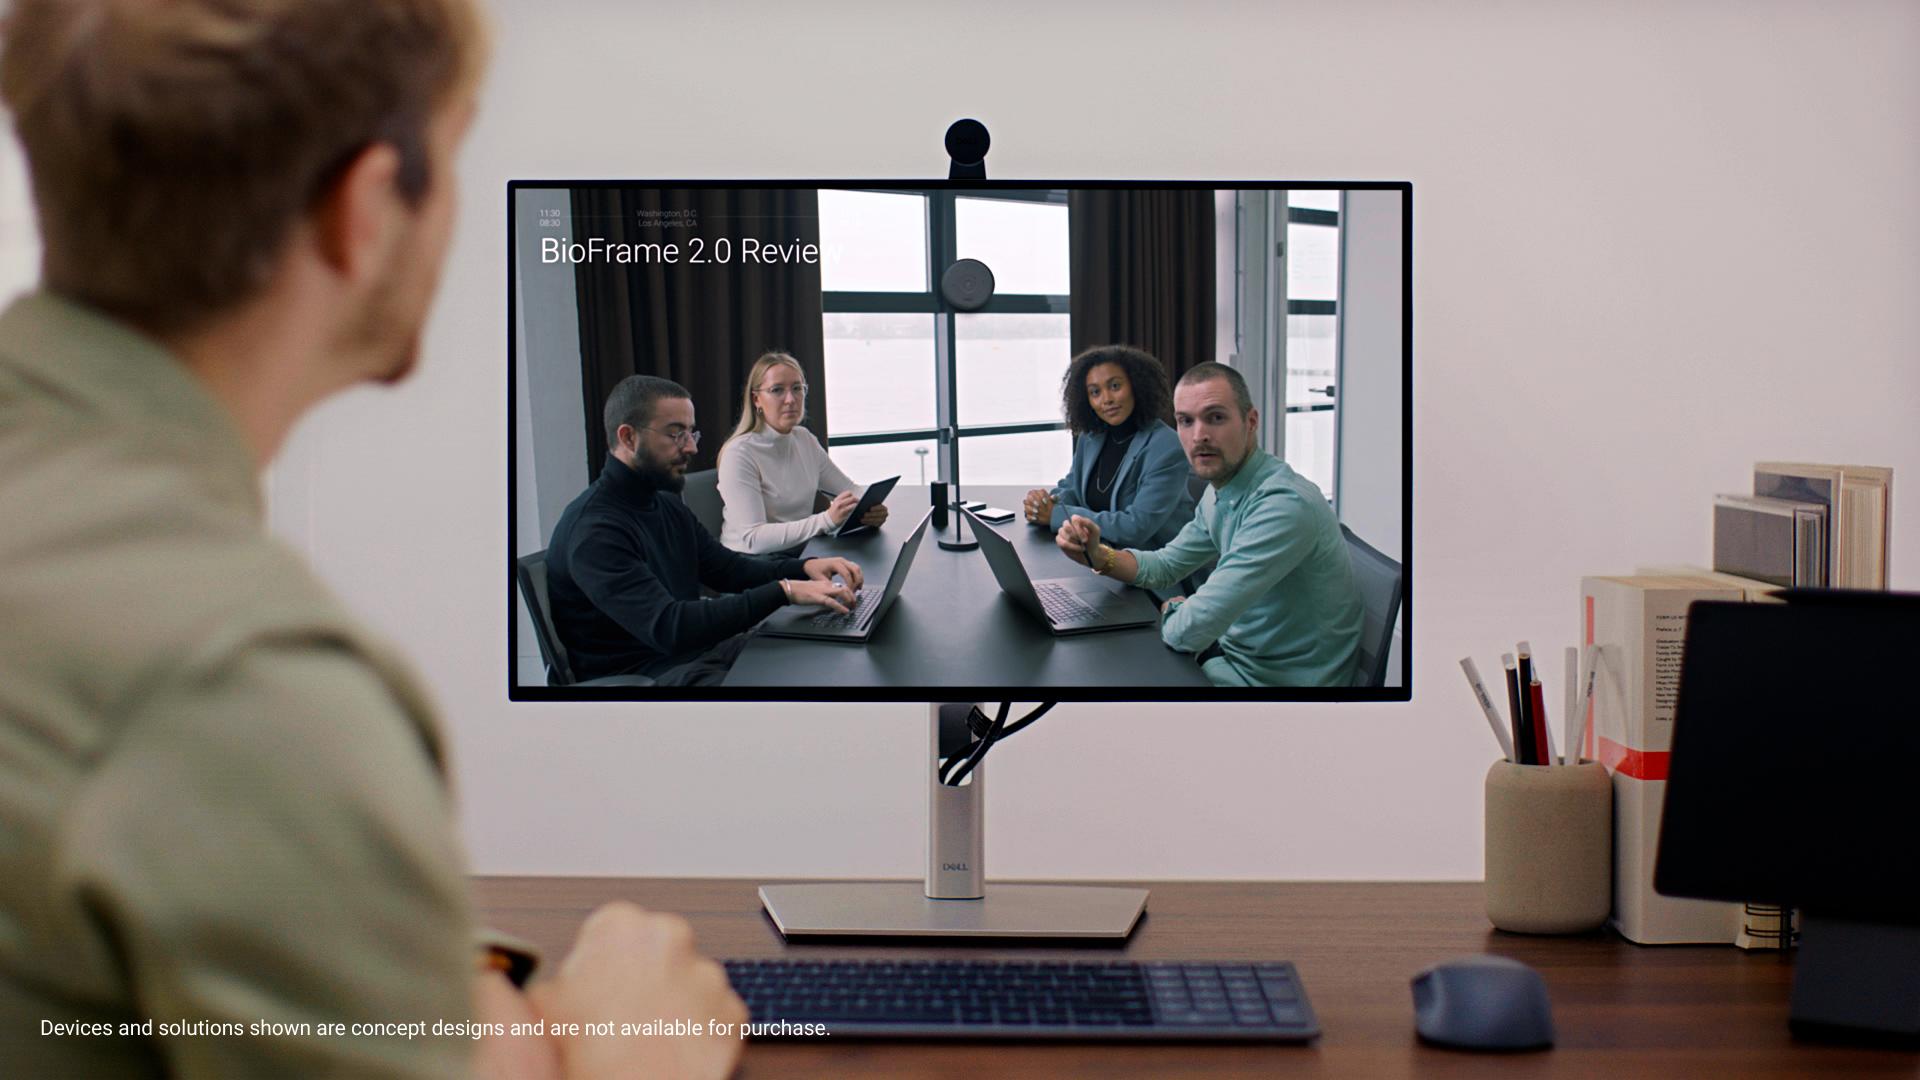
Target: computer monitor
(931, 327)
(1791, 783)
(930, 330)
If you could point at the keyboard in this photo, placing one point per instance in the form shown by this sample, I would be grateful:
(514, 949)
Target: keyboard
(862, 608)
(1062, 606)
(1014, 999)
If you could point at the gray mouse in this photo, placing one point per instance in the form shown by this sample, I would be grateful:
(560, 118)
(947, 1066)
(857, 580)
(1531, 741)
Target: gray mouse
(1483, 1003)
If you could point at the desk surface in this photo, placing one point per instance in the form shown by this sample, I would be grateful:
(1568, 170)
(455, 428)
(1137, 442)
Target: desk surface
(1621, 1010)
(952, 626)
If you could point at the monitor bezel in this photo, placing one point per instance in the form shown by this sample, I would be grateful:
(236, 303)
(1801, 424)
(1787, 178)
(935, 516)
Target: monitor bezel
(518, 692)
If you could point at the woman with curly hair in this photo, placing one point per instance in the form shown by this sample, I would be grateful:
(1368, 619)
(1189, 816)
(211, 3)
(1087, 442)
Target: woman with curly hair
(1129, 474)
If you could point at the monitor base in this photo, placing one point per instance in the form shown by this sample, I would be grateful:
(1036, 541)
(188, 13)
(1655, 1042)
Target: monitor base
(901, 909)
(1857, 981)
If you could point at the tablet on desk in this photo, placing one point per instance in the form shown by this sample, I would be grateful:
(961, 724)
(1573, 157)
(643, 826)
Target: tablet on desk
(875, 494)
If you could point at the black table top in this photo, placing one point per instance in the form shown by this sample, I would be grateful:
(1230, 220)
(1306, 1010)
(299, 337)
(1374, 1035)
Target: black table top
(953, 627)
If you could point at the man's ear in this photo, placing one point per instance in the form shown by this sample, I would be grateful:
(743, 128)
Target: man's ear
(357, 218)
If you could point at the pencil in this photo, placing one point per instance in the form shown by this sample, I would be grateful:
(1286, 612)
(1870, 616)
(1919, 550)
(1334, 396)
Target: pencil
(1525, 665)
(1522, 735)
(1487, 706)
(1570, 750)
(1537, 713)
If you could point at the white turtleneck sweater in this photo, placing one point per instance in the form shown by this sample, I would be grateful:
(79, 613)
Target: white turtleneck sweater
(767, 483)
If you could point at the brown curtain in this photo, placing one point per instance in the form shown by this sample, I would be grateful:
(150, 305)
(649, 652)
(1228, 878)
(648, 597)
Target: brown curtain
(700, 325)
(1143, 273)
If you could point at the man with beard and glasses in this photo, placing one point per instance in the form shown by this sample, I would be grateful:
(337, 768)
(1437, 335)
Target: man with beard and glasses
(627, 558)
(1280, 608)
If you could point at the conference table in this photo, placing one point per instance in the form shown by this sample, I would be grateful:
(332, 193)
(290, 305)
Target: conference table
(953, 627)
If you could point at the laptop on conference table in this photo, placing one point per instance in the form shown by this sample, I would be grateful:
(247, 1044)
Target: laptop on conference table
(1079, 605)
(869, 607)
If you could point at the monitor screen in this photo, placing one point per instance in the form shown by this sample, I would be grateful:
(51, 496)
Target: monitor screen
(882, 440)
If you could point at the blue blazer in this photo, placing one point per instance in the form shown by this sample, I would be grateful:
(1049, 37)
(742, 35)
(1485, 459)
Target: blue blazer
(1150, 499)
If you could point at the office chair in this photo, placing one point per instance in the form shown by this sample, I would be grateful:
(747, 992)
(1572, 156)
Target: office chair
(1382, 586)
(531, 572)
(702, 496)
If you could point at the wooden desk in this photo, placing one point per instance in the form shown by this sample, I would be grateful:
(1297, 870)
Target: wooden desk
(1622, 1011)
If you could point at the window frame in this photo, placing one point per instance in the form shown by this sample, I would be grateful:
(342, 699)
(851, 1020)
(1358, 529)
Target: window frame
(942, 250)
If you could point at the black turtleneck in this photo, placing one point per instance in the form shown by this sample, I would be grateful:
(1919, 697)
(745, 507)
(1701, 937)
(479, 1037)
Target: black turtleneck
(624, 570)
(1106, 467)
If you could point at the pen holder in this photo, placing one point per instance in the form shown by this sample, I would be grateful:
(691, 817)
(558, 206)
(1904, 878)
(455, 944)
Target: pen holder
(1549, 847)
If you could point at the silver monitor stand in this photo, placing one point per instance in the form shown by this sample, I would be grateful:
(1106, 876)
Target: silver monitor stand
(955, 901)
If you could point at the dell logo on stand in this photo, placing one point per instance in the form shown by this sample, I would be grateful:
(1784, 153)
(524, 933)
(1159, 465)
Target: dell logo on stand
(951, 867)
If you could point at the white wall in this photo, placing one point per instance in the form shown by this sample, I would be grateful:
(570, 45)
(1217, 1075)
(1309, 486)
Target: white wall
(19, 240)
(1653, 243)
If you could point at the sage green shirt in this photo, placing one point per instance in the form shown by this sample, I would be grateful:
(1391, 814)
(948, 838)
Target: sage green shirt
(219, 800)
(1281, 602)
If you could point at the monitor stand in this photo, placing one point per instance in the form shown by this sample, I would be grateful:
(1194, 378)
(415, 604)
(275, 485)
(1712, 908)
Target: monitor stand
(955, 901)
(1857, 981)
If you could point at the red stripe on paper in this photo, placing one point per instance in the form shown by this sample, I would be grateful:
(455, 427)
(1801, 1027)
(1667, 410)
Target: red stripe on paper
(1639, 764)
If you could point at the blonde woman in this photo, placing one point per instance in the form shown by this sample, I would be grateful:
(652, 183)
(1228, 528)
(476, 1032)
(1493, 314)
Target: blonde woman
(770, 467)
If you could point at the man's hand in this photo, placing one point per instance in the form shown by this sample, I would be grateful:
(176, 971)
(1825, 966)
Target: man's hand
(1168, 606)
(826, 569)
(831, 595)
(510, 1057)
(635, 966)
(842, 506)
(1077, 537)
(875, 517)
(1039, 507)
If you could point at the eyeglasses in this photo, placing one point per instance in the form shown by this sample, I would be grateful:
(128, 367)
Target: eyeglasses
(782, 390)
(690, 436)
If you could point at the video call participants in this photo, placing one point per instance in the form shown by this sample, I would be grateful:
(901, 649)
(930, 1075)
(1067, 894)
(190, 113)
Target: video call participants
(221, 800)
(1128, 475)
(627, 558)
(771, 467)
(1280, 608)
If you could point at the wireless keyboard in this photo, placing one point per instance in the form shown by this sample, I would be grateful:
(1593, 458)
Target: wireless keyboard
(1014, 999)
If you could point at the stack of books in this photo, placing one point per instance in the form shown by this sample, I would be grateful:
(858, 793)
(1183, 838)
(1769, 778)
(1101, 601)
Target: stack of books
(1803, 526)
(1809, 526)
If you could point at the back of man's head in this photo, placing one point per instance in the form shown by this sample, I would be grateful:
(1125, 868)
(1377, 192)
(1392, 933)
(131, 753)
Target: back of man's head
(174, 147)
(1209, 370)
(631, 403)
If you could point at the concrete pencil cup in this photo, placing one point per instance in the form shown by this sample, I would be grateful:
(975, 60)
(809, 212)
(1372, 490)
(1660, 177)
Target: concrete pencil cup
(1549, 847)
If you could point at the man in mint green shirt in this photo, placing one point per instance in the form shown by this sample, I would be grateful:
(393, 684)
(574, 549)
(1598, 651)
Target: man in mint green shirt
(1280, 608)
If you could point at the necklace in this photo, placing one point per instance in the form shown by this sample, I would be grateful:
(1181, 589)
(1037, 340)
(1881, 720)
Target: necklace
(1102, 487)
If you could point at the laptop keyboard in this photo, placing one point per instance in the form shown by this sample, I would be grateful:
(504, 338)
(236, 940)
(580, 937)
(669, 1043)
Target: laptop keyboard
(991, 999)
(862, 608)
(1062, 606)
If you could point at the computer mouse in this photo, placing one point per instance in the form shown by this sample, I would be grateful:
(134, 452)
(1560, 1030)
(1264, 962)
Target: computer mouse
(1483, 1003)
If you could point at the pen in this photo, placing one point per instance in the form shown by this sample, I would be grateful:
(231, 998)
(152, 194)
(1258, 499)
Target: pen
(1570, 749)
(1586, 706)
(1487, 706)
(1522, 735)
(1086, 551)
(1527, 702)
(1537, 713)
